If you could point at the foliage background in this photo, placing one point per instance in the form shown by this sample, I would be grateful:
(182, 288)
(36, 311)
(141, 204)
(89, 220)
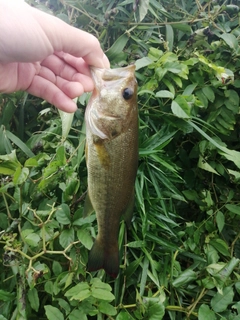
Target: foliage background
(181, 256)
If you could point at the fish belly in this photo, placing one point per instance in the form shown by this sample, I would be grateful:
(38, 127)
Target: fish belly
(112, 166)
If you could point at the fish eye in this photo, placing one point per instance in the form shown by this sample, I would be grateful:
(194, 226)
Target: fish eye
(127, 93)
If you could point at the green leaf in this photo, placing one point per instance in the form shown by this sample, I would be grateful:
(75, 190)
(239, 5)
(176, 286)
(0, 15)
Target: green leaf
(107, 308)
(85, 238)
(53, 313)
(202, 98)
(231, 155)
(3, 223)
(63, 214)
(184, 278)
(160, 73)
(169, 85)
(7, 168)
(136, 244)
(169, 36)
(177, 80)
(220, 301)
(178, 111)
(224, 124)
(6, 115)
(233, 208)
(9, 163)
(66, 237)
(48, 287)
(236, 307)
(209, 93)
(220, 246)
(33, 299)
(31, 162)
(81, 145)
(156, 312)
(164, 94)
(31, 238)
(232, 101)
(67, 119)
(81, 295)
(64, 305)
(189, 89)
(184, 27)
(102, 294)
(6, 296)
(154, 54)
(117, 47)
(84, 221)
(224, 274)
(56, 267)
(205, 313)
(143, 62)
(237, 286)
(97, 283)
(143, 9)
(206, 166)
(80, 292)
(77, 315)
(220, 219)
(101, 290)
(20, 144)
(61, 156)
(20, 175)
(230, 40)
(124, 315)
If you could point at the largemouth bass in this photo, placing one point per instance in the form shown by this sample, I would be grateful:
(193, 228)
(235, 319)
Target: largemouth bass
(112, 157)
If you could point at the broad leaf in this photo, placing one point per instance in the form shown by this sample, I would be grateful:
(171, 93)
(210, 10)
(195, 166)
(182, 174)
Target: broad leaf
(220, 301)
(205, 313)
(53, 313)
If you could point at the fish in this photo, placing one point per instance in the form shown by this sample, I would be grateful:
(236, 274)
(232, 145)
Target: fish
(111, 152)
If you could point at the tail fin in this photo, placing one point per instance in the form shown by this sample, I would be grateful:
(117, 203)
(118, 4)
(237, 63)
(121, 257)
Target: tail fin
(102, 257)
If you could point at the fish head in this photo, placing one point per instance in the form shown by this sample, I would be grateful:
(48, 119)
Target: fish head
(113, 104)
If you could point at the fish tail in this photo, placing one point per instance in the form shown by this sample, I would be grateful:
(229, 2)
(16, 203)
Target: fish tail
(101, 257)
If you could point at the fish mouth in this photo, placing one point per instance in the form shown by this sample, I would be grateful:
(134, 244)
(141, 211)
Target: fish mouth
(110, 74)
(108, 116)
(111, 117)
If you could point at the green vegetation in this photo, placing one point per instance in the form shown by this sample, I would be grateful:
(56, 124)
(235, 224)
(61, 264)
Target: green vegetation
(180, 259)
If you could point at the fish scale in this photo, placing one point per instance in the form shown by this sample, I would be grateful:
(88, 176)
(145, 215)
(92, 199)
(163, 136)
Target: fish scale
(112, 158)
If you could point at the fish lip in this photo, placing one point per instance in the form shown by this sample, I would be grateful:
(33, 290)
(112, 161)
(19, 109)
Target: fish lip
(114, 70)
(114, 74)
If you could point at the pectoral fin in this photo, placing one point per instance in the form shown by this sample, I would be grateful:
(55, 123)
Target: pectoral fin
(88, 208)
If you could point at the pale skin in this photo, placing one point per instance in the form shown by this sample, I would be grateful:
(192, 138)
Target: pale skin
(44, 56)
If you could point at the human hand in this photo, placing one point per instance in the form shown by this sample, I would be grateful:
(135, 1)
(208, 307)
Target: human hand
(44, 56)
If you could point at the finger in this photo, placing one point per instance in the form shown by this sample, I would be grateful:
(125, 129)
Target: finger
(71, 89)
(55, 66)
(22, 38)
(47, 90)
(68, 39)
(77, 63)
(58, 67)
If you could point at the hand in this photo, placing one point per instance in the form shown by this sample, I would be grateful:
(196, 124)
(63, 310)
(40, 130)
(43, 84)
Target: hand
(44, 56)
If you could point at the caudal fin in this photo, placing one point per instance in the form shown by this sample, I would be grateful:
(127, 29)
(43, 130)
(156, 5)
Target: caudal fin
(101, 257)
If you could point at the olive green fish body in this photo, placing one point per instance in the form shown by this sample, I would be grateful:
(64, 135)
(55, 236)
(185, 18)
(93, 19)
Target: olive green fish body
(112, 157)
